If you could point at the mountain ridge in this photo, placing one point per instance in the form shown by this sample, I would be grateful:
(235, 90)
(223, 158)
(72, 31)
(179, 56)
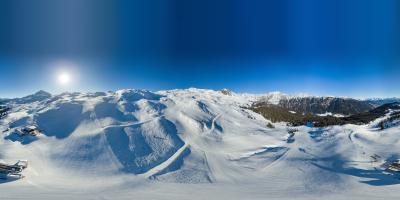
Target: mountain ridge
(302, 103)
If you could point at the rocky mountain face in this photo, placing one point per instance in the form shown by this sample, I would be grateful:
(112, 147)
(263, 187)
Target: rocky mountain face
(321, 105)
(274, 113)
(315, 105)
(322, 111)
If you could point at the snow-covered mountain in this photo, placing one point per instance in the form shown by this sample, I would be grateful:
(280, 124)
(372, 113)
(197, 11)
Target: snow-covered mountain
(274, 97)
(381, 101)
(38, 96)
(180, 144)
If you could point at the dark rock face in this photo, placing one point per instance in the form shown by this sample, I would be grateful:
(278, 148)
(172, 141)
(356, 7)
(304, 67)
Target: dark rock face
(226, 92)
(320, 105)
(279, 114)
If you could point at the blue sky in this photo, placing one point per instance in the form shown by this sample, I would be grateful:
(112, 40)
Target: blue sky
(343, 48)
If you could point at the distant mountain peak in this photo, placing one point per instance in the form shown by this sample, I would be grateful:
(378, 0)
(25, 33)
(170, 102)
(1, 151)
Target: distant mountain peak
(37, 96)
(226, 91)
(136, 94)
(382, 101)
(273, 97)
(41, 93)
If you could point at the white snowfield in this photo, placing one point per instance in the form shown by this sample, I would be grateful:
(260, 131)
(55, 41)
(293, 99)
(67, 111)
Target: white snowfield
(187, 144)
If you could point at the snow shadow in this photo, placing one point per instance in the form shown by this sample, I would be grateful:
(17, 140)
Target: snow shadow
(203, 107)
(6, 179)
(190, 167)
(20, 122)
(135, 95)
(87, 154)
(176, 164)
(129, 107)
(261, 158)
(105, 109)
(156, 106)
(128, 144)
(339, 165)
(319, 134)
(61, 122)
(27, 139)
(218, 127)
(143, 146)
(290, 139)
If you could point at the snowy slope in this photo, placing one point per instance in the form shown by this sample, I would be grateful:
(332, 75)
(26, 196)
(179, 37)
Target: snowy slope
(381, 101)
(180, 144)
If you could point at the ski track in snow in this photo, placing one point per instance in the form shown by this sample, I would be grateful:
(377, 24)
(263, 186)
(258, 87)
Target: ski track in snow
(166, 163)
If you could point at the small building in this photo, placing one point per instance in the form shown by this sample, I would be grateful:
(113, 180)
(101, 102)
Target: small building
(394, 167)
(13, 170)
(29, 130)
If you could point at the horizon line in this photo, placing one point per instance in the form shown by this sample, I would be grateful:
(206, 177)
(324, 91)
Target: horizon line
(296, 94)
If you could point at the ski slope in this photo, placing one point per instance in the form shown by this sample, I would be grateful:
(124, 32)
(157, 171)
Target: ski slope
(186, 144)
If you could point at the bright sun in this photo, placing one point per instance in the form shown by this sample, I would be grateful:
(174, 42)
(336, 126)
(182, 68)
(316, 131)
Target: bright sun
(64, 78)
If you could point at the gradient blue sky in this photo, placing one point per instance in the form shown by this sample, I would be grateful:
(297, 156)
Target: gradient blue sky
(337, 47)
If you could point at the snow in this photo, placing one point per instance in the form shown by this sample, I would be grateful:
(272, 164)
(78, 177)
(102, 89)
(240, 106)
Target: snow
(187, 144)
(381, 101)
(330, 114)
(273, 97)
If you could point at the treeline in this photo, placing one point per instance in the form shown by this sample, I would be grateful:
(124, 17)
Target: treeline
(278, 114)
(386, 122)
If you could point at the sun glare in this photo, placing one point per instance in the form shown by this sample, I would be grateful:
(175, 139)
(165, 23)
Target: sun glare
(64, 78)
